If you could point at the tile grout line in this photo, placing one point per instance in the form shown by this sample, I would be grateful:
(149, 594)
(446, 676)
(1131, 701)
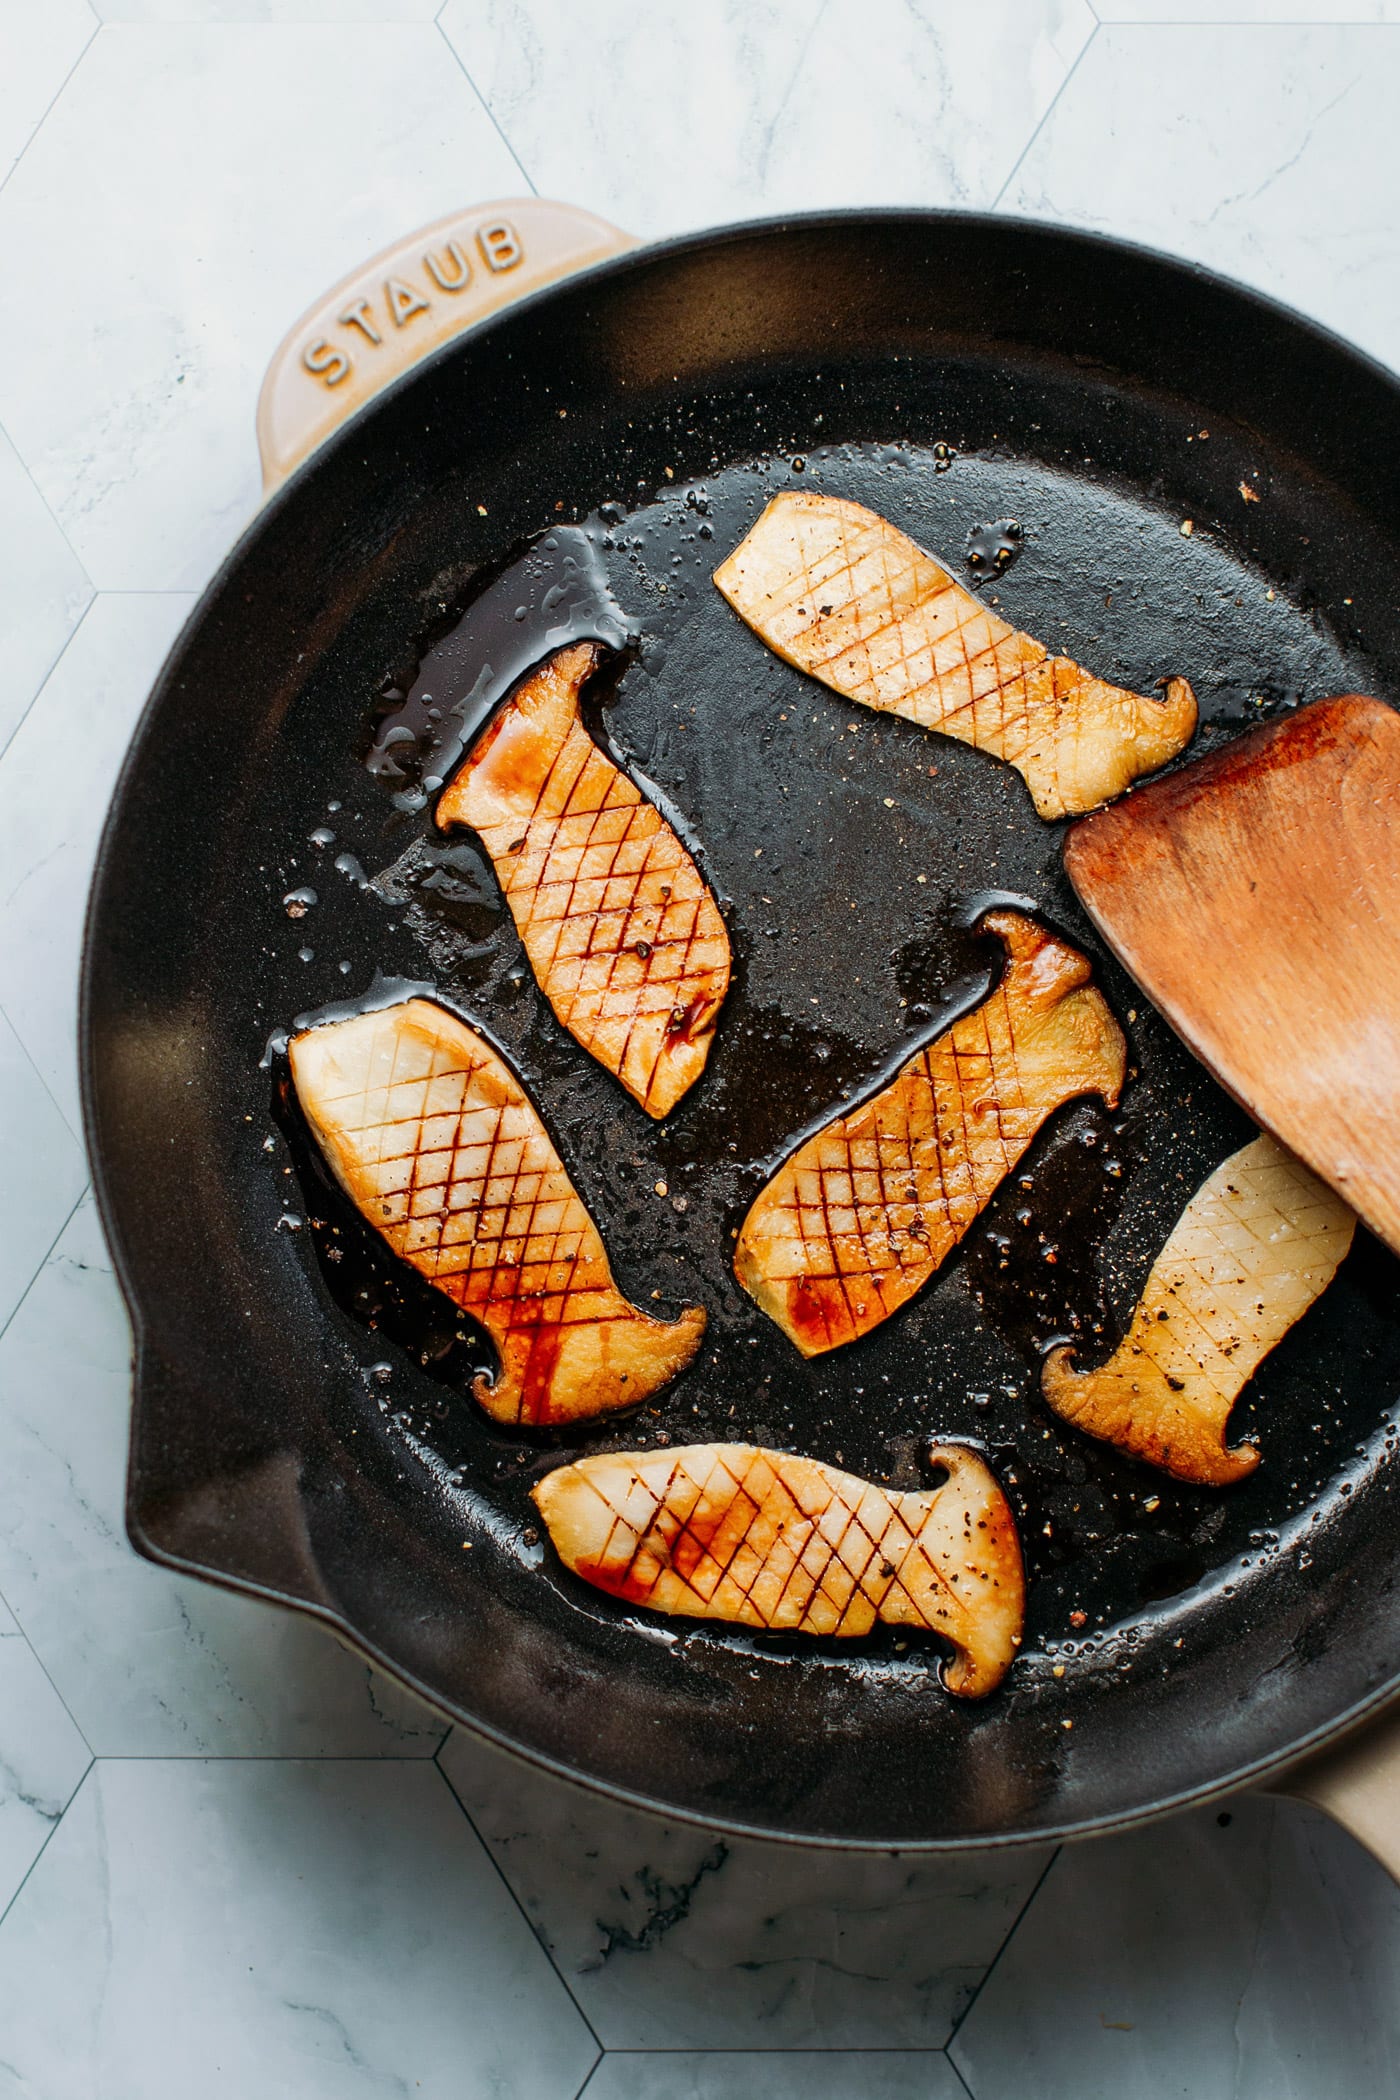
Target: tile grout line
(1246, 22)
(799, 61)
(97, 593)
(97, 27)
(58, 524)
(776, 2050)
(592, 2072)
(67, 645)
(23, 1299)
(490, 113)
(510, 1891)
(53, 1832)
(1050, 109)
(959, 2076)
(995, 1962)
(58, 1109)
(23, 1633)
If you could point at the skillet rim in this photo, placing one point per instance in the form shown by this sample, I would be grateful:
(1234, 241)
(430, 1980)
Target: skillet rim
(1344, 1725)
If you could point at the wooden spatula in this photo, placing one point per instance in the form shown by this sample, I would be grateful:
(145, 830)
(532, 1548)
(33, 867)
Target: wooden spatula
(1255, 897)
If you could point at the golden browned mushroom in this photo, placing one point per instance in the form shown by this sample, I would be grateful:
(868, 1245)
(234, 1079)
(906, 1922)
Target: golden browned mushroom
(623, 936)
(436, 1143)
(843, 594)
(860, 1216)
(1257, 1243)
(761, 1538)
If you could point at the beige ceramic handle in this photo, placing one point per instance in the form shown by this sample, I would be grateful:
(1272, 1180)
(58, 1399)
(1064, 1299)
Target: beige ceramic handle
(1358, 1785)
(383, 318)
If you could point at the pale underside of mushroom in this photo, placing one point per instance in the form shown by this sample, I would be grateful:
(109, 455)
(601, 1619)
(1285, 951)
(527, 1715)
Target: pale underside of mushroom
(860, 1216)
(842, 594)
(624, 938)
(1256, 1245)
(765, 1539)
(436, 1143)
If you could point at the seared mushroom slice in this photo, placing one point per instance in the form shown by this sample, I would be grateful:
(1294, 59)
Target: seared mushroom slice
(1257, 1243)
(762, 1538)
(863, 1213)
(625, 940)
(841, 593)
(436, 1143)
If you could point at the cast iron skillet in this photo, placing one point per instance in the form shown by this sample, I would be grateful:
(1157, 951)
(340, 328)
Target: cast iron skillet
(952, 371)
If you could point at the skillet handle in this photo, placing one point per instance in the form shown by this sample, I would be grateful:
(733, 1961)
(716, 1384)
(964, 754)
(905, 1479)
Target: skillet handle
(381, 319)
(1357, 1784)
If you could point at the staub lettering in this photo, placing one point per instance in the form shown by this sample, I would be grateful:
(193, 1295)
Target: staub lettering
(367, 320)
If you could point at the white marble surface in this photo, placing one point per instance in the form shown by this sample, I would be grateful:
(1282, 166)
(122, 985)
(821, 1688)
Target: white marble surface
(133, 415)
(671, 1938)
(39, 47)
(301, 1930)
(149, 1663)
(42, 1170)
(45, 584)
(835, 2074)
(56, 779)
(1242, 165)
(768, 105)
(1251, 1957)
(42, 1760)
(265, 1886)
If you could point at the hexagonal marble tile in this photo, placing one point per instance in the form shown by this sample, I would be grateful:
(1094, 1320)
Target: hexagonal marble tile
(313, 1930)
(42, 1760)
(43, 590)
(673, 1938)
(245, 167)
(56, 779)
(267, 10)
(1269, 12)
(678, 116)
(1249, 1955)
(149, 1663)
(776, 2074)
(42, 1171)
(1241, 171)
(40, 43)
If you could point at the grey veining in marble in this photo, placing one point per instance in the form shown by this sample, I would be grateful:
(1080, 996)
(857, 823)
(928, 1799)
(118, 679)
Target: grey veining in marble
(675, 115)
(43, 591)
(826, 2074)
(41, 1171)
(40, 43)
(133, 406)
(672, 1938)
(305, 1931)
(150, 1663)
(42, 1759)
(56, 779)
(269, 11)
(1239, 170)
(1255, 13)
(1253, 1959)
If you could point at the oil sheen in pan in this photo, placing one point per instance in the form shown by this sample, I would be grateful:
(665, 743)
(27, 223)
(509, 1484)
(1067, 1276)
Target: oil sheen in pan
(850, 852)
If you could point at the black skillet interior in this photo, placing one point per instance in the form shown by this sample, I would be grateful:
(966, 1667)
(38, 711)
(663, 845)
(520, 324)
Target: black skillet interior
(302, 1424)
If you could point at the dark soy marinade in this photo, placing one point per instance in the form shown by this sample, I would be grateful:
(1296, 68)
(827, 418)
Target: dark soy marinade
(851, 853)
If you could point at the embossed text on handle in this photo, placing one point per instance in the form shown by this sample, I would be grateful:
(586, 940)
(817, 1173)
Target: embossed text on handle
(367, 322)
